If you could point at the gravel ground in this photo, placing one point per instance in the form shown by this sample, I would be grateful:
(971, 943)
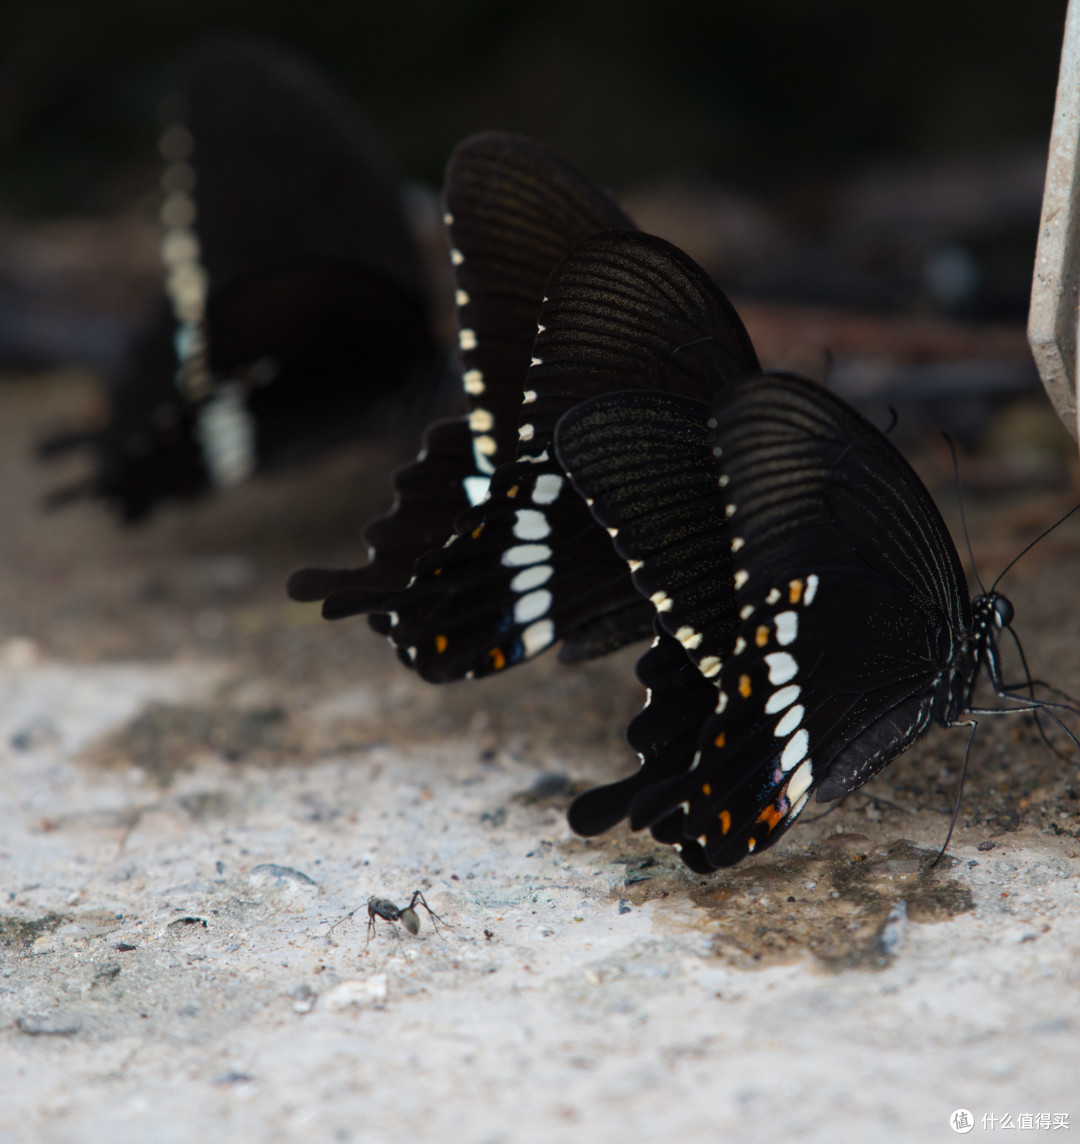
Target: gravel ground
(200, 780)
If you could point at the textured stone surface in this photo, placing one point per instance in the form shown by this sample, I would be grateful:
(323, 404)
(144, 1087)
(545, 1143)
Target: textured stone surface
(200, 780)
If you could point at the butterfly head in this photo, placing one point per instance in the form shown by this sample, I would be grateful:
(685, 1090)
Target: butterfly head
(992, 613)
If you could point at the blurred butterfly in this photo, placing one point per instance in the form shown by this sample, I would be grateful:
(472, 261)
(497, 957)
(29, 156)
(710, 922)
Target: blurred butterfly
(505, 559)
(294, 314)
(812, 617)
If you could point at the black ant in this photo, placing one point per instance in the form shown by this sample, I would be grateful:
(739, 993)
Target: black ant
(385, 909)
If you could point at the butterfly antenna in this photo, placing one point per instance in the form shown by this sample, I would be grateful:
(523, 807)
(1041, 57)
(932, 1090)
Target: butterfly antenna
(959, 792)
(963, 516)
(1029, 547)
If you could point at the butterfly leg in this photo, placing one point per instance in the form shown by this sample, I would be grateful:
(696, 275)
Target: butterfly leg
(973, 724)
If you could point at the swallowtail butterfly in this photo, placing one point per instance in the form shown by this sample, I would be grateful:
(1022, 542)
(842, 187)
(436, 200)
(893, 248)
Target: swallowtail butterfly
(812, 617)
(294, 314)
(521, 563)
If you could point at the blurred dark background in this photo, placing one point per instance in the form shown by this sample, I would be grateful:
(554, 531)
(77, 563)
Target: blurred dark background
(773, 97)
(862, 159)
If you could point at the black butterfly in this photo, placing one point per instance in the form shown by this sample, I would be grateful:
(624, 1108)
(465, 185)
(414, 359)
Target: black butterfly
(812, 617)
(526, 565)
(295, 313)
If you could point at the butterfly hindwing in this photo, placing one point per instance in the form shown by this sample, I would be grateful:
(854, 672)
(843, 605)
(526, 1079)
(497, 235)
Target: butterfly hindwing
(846, 592)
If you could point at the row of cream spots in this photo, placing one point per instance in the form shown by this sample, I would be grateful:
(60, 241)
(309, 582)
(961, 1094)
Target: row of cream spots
(185, 277)
(481, 421)
(534, 599)
(782, 668)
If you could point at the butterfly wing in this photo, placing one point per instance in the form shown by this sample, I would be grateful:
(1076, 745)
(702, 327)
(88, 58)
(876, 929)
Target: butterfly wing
(295, 313)
(847, 607)
(513, 209)
(528, 565)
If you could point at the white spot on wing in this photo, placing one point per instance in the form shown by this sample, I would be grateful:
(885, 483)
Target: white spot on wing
(782, 698)
(811, 589)
(791, 720)
(547, 488)
(532, 606)
(537, 636)
(525, 433)
(456, 257)
(530, 524)
(531, 578)
(787, 627)
(483, 447)
(473, 382)
(661, 601)
(740, 578)
(799, 784)
(522, 555)
(467, 339)
(481, 421)
(796, 749)
(782, 667)
(461, 297)
(476, 489)
(226, 433)
(688, 637)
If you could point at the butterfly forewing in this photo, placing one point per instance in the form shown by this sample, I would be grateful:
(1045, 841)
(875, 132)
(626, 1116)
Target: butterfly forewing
(513, 209)
(529, 565)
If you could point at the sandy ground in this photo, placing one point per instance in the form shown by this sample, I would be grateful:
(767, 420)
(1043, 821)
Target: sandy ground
(200, 780)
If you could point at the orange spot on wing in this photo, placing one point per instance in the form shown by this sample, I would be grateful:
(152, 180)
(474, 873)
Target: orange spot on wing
(512, 492)
(795, 590)
(725, 821)
(497, 658)
(440, 644)
(719, 741)
(706, 789)
(771, 815)
(761, 636)
(744, 686)
(476, 531)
